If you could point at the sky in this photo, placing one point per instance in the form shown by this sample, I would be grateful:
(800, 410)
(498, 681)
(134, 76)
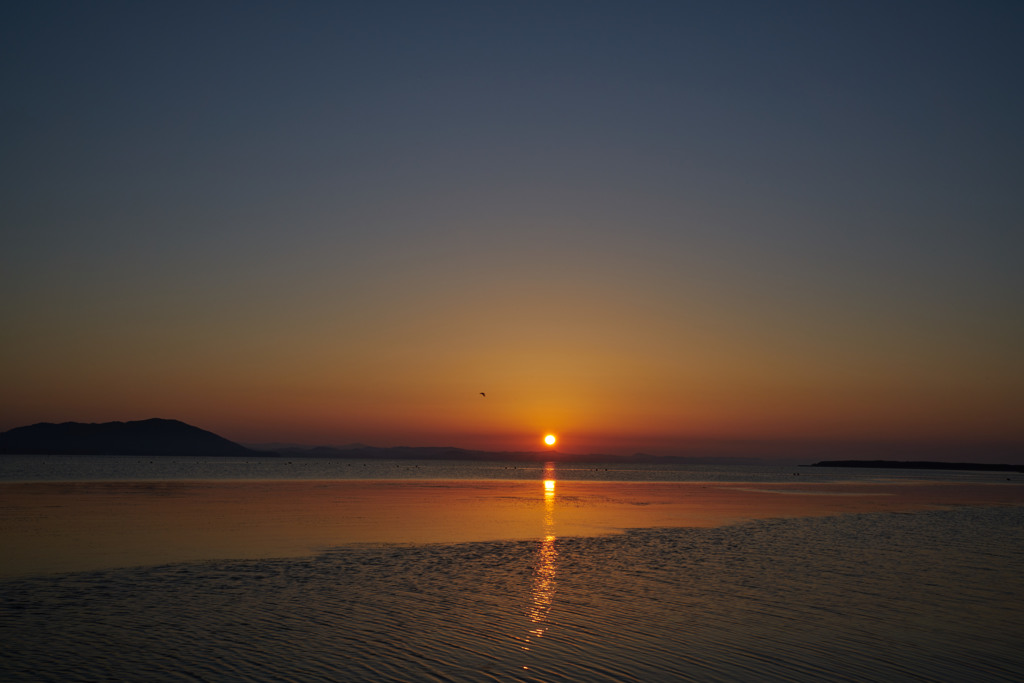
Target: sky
(661, 227)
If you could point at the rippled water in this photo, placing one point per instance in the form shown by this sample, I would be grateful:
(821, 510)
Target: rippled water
(935, 595)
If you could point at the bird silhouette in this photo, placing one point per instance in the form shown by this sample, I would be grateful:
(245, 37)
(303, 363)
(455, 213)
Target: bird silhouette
(483, 394)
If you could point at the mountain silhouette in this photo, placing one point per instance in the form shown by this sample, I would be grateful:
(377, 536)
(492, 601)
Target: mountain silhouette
(142, 437)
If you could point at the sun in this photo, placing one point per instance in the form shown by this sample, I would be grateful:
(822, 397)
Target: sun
(550, 439)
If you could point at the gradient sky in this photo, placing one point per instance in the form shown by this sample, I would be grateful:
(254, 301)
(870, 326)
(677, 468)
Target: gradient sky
(639, 225)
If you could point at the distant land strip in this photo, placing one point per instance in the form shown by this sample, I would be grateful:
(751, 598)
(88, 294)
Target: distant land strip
(158, 436)
(920, 465)
(163, 437)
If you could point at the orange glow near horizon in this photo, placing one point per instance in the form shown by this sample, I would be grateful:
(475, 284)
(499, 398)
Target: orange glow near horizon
(725, 418)
(430, 286)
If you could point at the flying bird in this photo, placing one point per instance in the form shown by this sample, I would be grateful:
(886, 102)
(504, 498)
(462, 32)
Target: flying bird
(483, 394)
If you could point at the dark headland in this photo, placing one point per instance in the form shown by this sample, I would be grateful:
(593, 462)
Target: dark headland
(920, 465)
(142, 437)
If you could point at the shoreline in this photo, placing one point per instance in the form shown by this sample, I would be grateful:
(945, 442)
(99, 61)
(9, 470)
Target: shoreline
(56, 527)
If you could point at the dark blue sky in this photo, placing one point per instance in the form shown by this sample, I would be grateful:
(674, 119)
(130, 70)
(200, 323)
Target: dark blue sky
(731, 218)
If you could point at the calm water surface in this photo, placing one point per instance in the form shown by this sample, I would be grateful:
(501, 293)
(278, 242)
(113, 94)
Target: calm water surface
(122, 468)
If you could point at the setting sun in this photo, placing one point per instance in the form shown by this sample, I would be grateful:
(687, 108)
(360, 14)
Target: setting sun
(550, 439)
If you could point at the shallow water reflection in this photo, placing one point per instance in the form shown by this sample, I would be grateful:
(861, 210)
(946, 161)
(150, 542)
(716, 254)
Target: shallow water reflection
(76, 526)
(543, 591)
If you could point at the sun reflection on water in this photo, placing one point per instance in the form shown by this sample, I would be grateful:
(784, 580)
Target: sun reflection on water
(543, 591)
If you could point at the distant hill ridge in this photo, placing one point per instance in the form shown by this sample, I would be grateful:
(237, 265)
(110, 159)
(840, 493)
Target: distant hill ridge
(143, 437)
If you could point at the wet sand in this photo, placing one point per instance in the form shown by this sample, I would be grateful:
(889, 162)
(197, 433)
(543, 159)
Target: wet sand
(49, 528)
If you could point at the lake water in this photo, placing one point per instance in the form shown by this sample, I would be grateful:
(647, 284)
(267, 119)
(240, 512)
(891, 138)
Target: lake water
(186, 570)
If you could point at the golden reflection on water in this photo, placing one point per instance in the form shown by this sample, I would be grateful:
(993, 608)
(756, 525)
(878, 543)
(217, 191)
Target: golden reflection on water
(55, 527)
(542, 593)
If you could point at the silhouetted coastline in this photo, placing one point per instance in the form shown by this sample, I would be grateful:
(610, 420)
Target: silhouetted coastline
(160, 437)
(920, 465)
(173, 437)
